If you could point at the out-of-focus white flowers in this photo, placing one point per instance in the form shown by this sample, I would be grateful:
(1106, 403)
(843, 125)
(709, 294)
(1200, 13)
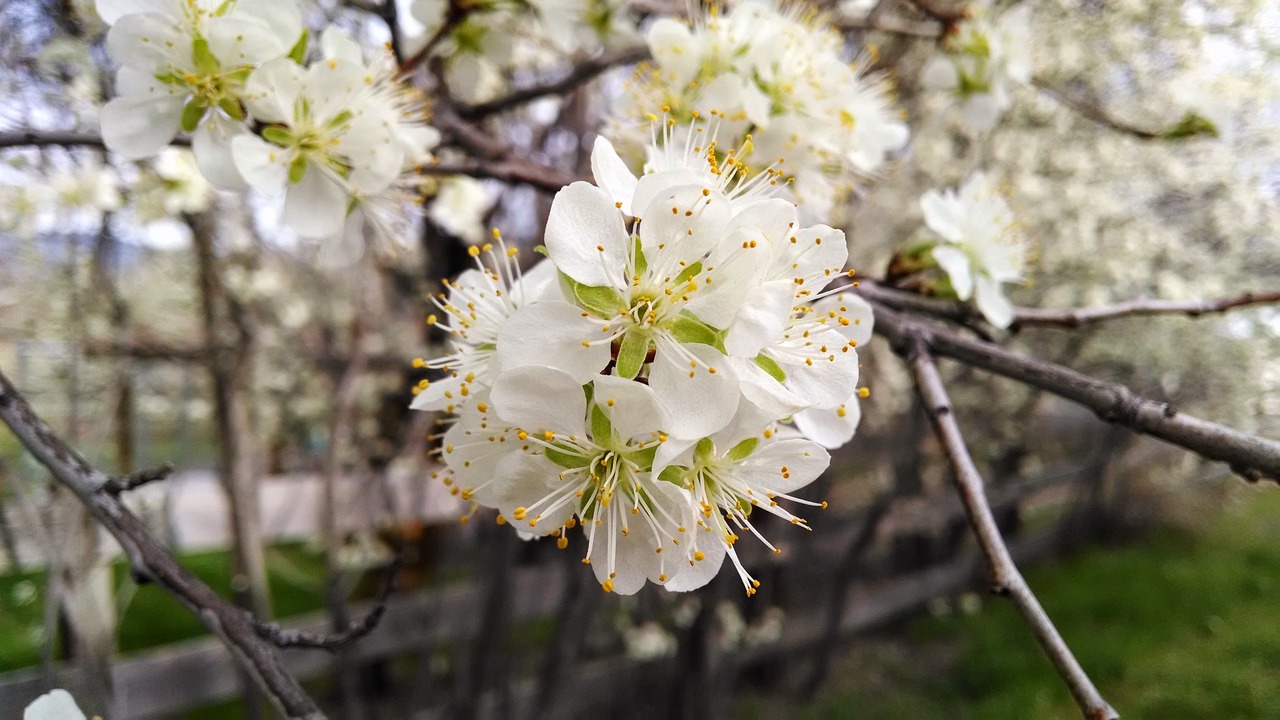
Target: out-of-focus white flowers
(54, 705)
(171, 185)
(460, 208)
(982, 248)
(778, 80)
(984, 60)
(341, 139)
(642, 394)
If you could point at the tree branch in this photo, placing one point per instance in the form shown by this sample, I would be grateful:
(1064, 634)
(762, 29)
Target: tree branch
(1006, 580)
(33, 138)
(1076, 317)
(149, 559)
(1094, 112)
(580, 74)
(1250, 456)
(514, 170)
(125, 483)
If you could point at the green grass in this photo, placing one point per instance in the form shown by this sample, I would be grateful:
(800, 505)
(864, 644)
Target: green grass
(151, 617)
(1182, 625)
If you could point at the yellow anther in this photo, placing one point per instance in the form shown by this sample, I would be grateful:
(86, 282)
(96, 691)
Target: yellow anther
(520, 513)
(607, 585)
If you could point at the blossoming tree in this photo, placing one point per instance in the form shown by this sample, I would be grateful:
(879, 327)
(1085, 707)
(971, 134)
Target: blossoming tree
(663, 361)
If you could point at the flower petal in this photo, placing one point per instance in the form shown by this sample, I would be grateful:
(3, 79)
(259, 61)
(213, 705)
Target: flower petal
(611, 173)
(265, 167)
(138, 126)
(272, 90)
(54, 705)
(697, 401)
(830, 428)
(551, 334)
(540, 399)
(316, 207)
(586, 238)
(956, 264)
(995, 307)
(211, 144)
(631, 407)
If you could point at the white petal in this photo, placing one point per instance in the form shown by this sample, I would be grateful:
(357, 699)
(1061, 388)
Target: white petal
(699, 405)
(54, 705)
(611, 173)
(631, 407)
(283, 17)
(316, 207)
(995, 307)
(551, 334)
(853, 308)
(762, 390)
(675, 50)
(762, 320)
(829, 428)
(211, 144)
(956, 264)
(943, 214)
(272, 90)
(237, 39)
(773, 217)
(586, 238)
(138, 126)
(265, 167)
(439, 395)
(696, 573)
(112, 10)
(688, 220)
(833, 374)
(522, 479)
(537, 399)
(731, 275)
(802, 459)
(150, 43)
(337, 45)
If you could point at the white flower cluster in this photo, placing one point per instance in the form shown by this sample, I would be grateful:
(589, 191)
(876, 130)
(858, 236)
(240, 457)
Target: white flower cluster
(54, 705)
(341, 138)
(73, 196)
(982, 246)
(482, 42)
(637, 381)
(779, 78)
(984, 59)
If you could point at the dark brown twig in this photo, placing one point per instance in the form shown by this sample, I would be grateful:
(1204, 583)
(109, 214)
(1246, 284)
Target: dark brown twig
(513, 170)
(125, 483)
(151, 560)
(582, 73)
(1006, 580)
(1095, 113)
(285, 638)
(1250, 456)
(1076, 317)
(63, 139)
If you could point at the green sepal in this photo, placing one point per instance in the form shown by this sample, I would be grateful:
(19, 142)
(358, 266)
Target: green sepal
(566, 460)
(642, 264)
(297, 170)
(644, 457)
(1190, 125)
(192, 114)
(688, 272)
(202, 57)
(298, 53)
(688, 329)
(673, 474)
(232, 108)
(171, 78)
(769, 365)
(223, 8)
(542, 250)
(278, 135)
(632, 353)
(705, 450)
(743, 449)
(603, 302)
(601, 428)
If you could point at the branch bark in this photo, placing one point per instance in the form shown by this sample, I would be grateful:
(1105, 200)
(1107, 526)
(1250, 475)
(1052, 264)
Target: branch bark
(1250, 456)
(1077, 317)
(1005, 578)
(149, 559)
(581, 74)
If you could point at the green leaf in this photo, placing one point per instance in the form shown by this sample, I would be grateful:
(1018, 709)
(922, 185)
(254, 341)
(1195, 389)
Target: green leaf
(631, 356)
(743, 449)
(542, 250)
(297, 170)
(688, 272)
(1190, 125)
(688, 329)
(601, 428)
(232, 108)
(205, 62)
(298, 53)
(673, 474)
(192, 114)
(770, 366)
(278, 135)
(566, 460)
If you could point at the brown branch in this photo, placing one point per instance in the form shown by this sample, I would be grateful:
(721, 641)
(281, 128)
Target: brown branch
(1005, 578)
(283, 637)
(1250, 456)
(580, 74)
(513, 170)
(33, 138)
(151, 560)
(1094, 112)
(125, 483)
(925, 30)
(1076, 317)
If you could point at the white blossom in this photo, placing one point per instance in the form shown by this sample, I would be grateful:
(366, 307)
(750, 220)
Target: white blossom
(460, 208)
(982, 247)
(984, 60)
(54, 705)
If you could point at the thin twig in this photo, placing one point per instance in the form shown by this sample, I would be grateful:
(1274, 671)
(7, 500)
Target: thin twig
(582, 73)
(514, 170)
(1094, 112)
(1005, 578)
(924, 30)
(32, 138)
(148, 558)
(1076, 317)
(1251, 456)
(282, 637)
(125, 483)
